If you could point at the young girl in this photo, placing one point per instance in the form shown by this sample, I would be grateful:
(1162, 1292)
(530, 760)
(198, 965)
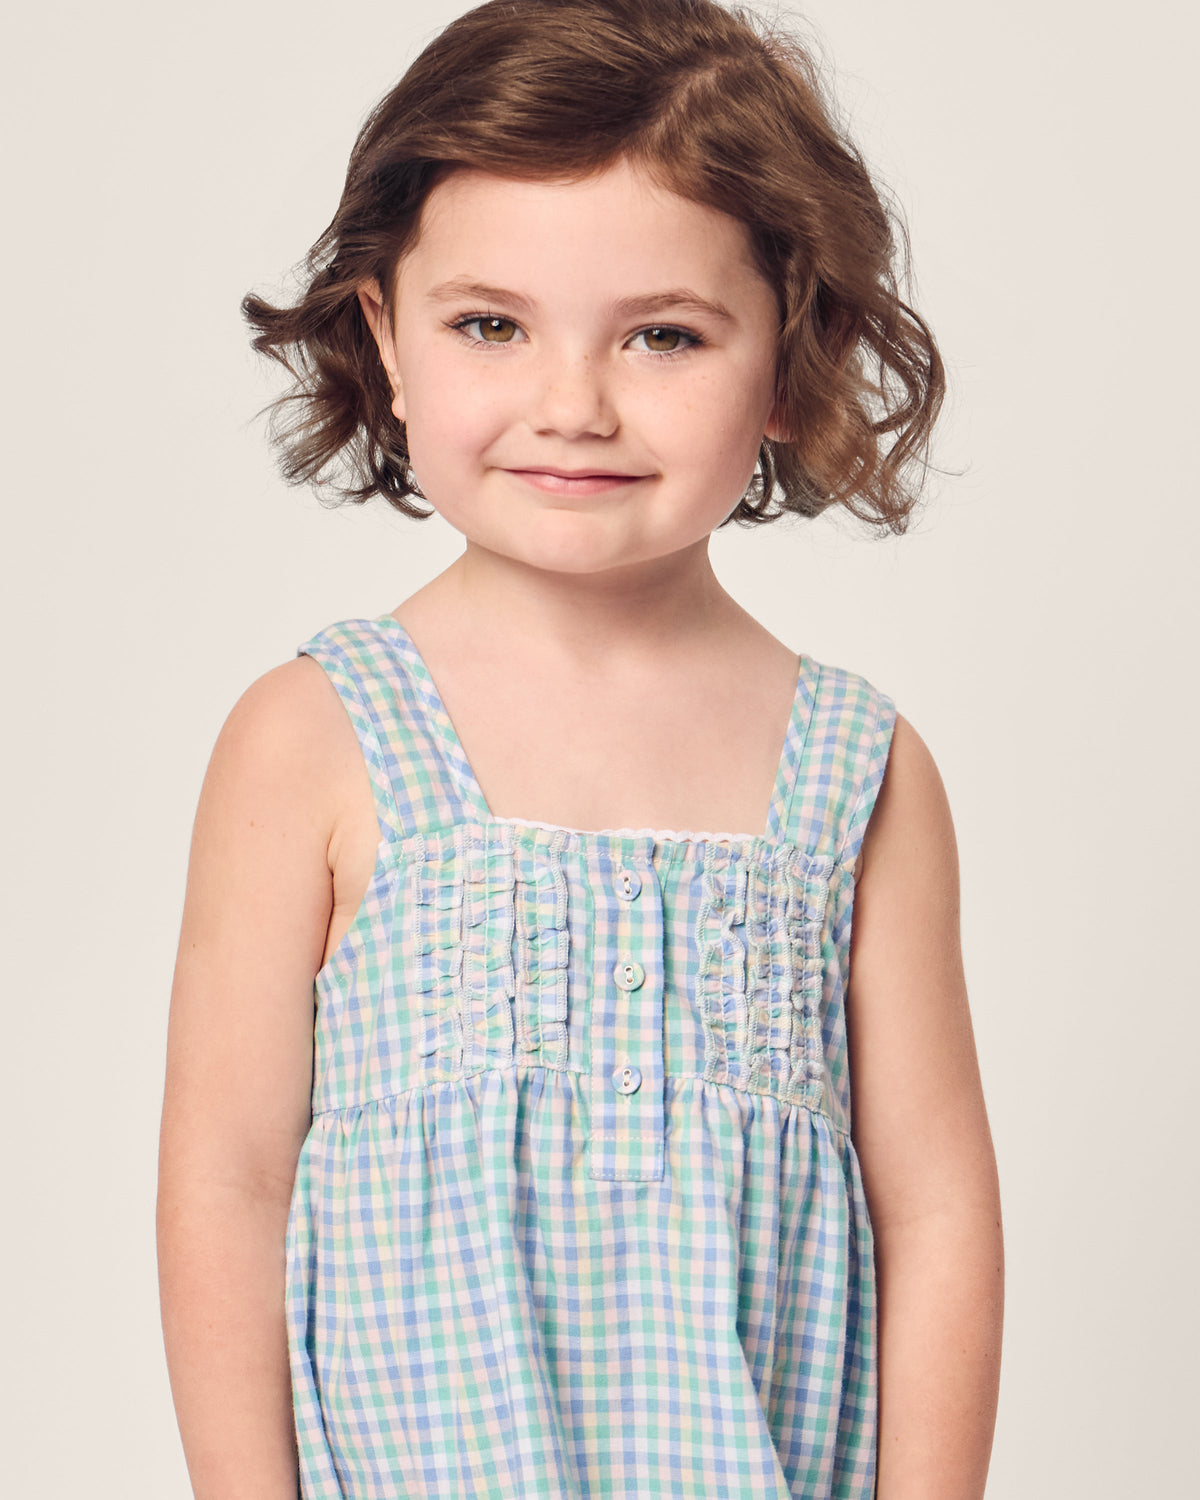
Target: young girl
(507, 1144)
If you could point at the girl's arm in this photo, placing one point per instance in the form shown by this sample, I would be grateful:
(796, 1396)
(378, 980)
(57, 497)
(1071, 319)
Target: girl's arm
(921, 1132)
(238, 1079)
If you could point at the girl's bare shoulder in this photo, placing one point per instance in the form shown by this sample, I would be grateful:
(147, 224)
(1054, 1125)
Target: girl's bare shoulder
(297, 694)
(275, 795)
(290, 729)
(911, 818)
(293, 739)
(284, 776)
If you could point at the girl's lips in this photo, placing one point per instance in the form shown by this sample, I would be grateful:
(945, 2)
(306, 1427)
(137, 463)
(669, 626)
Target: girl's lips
(582, 483)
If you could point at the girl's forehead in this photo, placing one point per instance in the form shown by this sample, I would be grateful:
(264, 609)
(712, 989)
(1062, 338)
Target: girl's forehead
(621, 220)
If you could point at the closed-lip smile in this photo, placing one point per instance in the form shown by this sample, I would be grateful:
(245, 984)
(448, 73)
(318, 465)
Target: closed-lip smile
(558, 481)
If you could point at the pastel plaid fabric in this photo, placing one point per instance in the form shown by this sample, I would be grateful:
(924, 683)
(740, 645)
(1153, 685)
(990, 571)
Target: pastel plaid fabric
(579, 1215)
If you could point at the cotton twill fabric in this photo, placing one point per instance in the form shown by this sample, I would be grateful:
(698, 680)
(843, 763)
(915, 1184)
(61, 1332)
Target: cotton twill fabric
(579, 1214)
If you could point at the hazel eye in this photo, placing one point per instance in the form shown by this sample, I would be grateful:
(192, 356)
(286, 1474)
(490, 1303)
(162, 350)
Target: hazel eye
(665, 340)
(494, 330)
(662, 340)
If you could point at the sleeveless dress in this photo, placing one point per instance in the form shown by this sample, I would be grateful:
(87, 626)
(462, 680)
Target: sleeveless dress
(579, 1214)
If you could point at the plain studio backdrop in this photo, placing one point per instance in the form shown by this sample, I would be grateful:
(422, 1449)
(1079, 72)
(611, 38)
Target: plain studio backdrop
(1035, 626)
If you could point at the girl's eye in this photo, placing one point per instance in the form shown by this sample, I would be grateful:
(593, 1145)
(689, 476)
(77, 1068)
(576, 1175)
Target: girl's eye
(491, 330)
(487, 329)
(663, 340)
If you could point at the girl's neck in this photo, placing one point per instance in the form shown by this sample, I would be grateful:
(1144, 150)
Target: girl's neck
(484, 603)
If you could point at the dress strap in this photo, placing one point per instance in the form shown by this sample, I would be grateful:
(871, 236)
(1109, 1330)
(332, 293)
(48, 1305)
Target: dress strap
(413, 787)
(841, 768)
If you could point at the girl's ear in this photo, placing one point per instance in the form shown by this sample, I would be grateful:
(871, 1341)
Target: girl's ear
(775, 431)
(379, 321)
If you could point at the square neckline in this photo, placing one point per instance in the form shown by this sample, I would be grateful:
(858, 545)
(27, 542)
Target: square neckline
(786, 772)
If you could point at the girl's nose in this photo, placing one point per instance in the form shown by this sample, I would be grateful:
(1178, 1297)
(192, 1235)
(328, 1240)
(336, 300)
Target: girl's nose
(573, 399)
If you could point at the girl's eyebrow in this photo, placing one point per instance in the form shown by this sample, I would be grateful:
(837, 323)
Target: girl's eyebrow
(681, 298)
(477, 291)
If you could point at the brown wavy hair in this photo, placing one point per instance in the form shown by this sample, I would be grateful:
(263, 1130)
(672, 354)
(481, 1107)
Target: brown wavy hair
(719, 107)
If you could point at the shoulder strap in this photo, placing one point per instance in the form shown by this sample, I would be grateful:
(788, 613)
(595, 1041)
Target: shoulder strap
(841, 769)
(413, 789)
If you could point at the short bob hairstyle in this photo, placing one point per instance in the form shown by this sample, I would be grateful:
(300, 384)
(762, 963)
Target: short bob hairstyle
(719, 108)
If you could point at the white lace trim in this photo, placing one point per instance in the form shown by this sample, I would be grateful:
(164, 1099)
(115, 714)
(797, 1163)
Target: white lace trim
(679, 836)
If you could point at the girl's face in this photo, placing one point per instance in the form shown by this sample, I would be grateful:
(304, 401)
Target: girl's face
(586, 370)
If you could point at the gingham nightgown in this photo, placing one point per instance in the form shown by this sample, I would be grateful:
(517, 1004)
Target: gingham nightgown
(579, 1214)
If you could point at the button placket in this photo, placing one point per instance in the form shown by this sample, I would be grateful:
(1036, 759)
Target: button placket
(627, 1137)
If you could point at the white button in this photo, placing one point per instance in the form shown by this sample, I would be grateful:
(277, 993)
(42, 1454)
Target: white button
(628, 883)
(627, 1080)
(629, 975)
(528, 1044)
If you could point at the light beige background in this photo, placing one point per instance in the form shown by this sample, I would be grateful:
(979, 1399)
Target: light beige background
(1036, 627)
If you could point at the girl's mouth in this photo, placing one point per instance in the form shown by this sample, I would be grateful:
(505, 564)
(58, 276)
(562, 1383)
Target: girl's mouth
(575, 481)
